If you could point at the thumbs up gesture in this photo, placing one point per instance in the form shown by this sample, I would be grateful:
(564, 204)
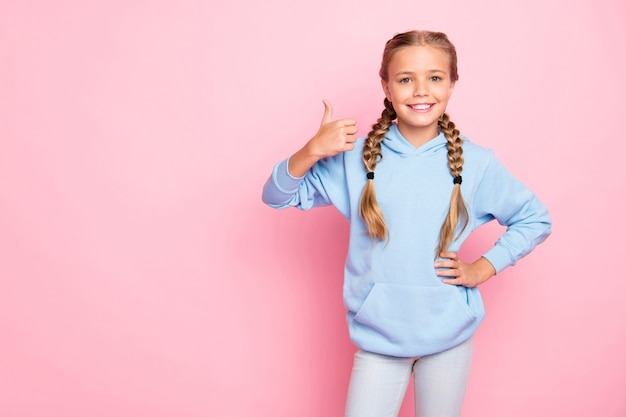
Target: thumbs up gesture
(333, 137)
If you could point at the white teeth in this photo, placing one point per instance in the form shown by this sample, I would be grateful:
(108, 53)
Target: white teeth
(422, 106)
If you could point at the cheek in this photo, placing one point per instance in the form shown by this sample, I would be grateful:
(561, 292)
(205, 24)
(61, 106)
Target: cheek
(392, 95)
(402, 91)
(446, 93)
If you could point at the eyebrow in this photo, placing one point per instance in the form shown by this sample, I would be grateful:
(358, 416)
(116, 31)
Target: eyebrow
(429, 71)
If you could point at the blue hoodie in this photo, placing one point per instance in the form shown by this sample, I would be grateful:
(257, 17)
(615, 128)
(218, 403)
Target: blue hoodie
(396, 303)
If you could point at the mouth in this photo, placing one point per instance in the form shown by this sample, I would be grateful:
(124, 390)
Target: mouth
(421, 108)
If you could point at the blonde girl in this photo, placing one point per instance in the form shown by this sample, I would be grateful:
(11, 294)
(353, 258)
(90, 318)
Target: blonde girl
(413, 190)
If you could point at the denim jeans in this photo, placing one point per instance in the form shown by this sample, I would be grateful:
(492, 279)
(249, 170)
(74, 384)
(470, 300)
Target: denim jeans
(378, 383)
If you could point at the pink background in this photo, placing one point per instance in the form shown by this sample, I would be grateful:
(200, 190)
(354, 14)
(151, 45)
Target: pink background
(140, 274)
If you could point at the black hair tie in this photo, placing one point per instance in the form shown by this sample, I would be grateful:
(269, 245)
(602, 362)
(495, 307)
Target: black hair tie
(457, 180)
(370, 175)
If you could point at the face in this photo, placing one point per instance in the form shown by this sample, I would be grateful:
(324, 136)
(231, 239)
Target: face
(419, 87)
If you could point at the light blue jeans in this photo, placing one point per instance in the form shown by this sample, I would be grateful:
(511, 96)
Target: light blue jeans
(378, 383)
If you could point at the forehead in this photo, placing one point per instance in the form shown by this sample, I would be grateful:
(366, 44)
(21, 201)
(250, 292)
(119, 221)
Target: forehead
(419, 58)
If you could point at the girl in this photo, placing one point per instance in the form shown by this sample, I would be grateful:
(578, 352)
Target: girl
(412, 190)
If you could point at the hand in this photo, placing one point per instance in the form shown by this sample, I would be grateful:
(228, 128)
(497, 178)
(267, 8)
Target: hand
(458, 272)
(333, 136)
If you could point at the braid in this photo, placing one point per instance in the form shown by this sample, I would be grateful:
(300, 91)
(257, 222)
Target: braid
(458, 210)
(369, 209)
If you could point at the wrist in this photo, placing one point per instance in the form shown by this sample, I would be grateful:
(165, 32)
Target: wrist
(484, 269)
(301, 161)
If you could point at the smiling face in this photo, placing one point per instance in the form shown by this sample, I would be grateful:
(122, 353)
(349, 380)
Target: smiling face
(418, 83)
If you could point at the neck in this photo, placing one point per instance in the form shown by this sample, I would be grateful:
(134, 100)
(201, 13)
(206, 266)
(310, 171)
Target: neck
(418, 136)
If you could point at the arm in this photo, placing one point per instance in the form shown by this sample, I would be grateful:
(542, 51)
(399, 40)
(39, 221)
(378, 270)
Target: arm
(502, 197)
(332, 138)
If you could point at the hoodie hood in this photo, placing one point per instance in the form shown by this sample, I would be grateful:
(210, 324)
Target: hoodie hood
(398, 143)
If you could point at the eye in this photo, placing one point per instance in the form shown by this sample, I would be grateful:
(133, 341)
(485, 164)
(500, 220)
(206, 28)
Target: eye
(435, 78)
(405, 80)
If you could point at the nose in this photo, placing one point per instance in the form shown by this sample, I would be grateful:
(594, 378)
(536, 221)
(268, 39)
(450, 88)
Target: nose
(420, 89)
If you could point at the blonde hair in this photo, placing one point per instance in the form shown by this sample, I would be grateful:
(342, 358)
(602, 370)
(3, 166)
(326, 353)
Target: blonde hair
(369, 209)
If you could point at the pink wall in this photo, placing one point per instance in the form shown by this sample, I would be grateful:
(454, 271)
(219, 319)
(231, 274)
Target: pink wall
(140, 274)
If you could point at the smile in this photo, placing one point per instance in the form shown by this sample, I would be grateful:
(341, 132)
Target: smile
(421, 107)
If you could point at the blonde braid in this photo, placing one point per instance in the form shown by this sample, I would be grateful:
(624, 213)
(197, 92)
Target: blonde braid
(369, 209)
(457, 213)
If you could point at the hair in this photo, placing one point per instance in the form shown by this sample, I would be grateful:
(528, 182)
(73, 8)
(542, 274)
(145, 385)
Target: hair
(369, 209)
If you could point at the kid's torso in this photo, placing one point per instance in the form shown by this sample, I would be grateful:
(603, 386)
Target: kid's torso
(396, 303)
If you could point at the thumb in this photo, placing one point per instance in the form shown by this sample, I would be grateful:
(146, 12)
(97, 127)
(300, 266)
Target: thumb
(328, 113)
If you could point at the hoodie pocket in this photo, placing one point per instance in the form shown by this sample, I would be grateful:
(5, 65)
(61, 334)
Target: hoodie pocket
(411, 315)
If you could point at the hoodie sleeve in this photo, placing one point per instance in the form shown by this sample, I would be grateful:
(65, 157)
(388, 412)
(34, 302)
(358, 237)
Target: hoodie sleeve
(322, 185)
(503, 197)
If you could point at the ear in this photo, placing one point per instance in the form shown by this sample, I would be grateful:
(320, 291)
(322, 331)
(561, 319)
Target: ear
(385, 86)
(452, 84)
